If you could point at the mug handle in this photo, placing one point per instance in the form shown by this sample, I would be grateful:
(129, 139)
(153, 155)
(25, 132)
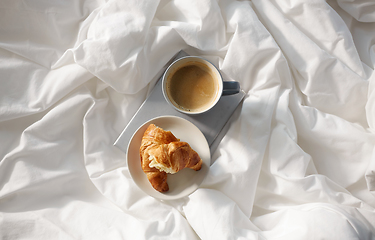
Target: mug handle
(230, 88)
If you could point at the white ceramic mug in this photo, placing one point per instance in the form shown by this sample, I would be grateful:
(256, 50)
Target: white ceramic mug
(193, 85)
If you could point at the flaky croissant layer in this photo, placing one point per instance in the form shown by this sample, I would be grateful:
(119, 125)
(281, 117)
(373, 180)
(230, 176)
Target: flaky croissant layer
(161, 153)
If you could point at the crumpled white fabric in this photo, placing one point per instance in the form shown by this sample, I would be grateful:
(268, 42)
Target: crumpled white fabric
(298, 160)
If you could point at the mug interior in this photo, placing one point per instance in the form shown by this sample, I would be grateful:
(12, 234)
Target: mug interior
(186, 61)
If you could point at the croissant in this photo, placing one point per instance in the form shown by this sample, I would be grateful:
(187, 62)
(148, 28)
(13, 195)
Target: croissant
(161, 153)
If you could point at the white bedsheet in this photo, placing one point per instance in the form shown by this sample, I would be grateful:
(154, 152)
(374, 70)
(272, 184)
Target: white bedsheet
(297, 162)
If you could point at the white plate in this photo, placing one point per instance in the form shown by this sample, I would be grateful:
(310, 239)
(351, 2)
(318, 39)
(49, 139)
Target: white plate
(183, 182)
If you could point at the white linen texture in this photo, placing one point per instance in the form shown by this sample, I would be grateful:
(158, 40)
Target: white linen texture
(297, 161)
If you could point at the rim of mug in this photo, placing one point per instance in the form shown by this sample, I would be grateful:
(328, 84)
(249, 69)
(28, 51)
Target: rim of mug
(167, 71)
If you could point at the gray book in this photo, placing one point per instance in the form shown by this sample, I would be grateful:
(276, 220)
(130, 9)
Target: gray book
(210, 123)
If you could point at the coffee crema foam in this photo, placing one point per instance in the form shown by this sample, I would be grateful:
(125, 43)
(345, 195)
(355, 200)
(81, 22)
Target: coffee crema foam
(192, 87)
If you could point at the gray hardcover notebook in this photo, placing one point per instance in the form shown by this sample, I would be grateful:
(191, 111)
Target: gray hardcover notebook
(211, 123)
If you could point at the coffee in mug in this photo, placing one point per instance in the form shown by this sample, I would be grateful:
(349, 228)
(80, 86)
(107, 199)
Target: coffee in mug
(192, 85)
